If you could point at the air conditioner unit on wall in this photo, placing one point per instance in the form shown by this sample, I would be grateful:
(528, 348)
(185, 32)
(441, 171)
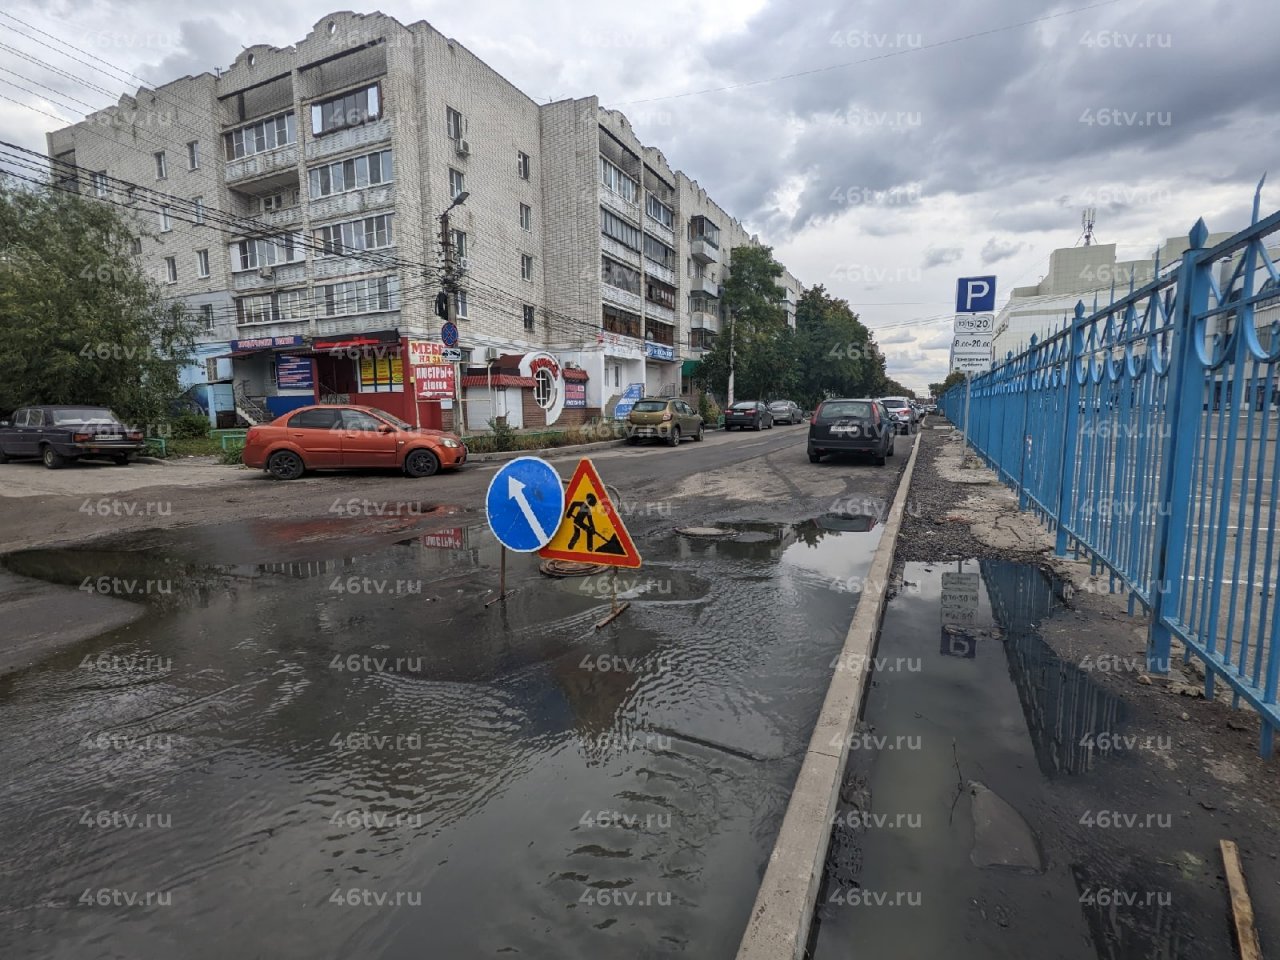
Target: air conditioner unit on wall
(266, 273)
(463, 148)
(490, 353)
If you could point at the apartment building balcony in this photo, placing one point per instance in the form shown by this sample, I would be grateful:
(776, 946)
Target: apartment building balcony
(704, 251)
(281, 160)
(702, 320)
(266, 278)
(366, 134)
(382, 260)
(658, 312)
(357, 323)
(704, 285)
(288, 217)
(659, 272)
(354, 202)
(618, 205)
(661, 231)
(621, 298)
(273, 328)
(616, 250)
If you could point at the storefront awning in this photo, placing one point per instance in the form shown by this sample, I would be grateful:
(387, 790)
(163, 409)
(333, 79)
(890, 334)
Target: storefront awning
(498, 380)
(689, 367)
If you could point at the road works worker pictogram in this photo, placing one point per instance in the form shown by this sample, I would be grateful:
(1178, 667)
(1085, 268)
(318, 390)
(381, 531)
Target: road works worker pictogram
(590, 530)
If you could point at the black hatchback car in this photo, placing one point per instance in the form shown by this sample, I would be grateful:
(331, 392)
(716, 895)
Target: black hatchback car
(851, 426)
(60, 433)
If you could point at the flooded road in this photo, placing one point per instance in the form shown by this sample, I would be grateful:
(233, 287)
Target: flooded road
(1001, 810)
(319, 743)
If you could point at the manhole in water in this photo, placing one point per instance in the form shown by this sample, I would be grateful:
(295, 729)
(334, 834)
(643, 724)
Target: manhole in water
(571, 568)
(705, 533)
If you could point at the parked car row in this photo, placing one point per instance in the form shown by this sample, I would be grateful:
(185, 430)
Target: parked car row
(671, 419)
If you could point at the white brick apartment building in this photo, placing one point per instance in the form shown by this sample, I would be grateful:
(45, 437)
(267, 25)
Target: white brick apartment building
(295, 198)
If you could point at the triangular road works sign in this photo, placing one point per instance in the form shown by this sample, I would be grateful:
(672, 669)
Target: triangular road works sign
(590, 530)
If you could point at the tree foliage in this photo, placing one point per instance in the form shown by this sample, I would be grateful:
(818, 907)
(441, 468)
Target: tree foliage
(952, 379)
(764, 347)
(79, 320)
(838, 355)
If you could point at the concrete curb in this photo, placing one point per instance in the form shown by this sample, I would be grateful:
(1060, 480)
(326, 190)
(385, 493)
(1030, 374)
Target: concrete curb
(547, 451)
(780, 918)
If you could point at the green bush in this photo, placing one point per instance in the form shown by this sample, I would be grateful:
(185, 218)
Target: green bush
(190, 426)
(504, 435)
(233, 456)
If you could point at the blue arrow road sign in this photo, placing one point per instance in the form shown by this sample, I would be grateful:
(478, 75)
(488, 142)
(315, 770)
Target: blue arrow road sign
(525, 504)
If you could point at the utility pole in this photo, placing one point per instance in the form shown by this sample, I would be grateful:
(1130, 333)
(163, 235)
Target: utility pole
(729, 400)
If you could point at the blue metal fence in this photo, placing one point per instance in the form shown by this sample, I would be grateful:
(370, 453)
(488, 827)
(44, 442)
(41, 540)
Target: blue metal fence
(1145, 436)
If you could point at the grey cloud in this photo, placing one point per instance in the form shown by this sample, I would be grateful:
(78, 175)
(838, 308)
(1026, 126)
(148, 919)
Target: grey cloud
(202, 46)
(995, 250)
(940, 256)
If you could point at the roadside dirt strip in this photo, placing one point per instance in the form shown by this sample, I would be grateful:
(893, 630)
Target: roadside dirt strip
(780, 918)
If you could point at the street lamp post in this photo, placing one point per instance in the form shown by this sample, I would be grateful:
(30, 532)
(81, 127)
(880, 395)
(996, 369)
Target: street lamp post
(451, 305)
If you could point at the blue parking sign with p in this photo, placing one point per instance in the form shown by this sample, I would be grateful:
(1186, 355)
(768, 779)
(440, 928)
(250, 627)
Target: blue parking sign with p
(976, 295)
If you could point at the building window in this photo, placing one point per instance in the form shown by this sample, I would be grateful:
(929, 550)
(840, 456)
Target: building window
(457, 183)
(162, 166)
(99, 184)
(700, 338)
(460, 305)
(266, 252)
(379, 375)
(614, 227)
(374, 295)
(526, 217)
(193, 155)
(615, 180)
(350, 174)
(202, 263)
(349, 110)
(522, 165)
(171, 269)
(619, 275)
(660, 293)
(260, 137)
(130, 194)
(659, 332)
(526, 267)
(617, 376)
(659, 212)
(621, 322)
(135, 246)
(166, 224)
(658, 252)
(206, 314)
(370, 233)
(454, 124)
(458, 240)
(284, 305)
(274, 202)
(528, 316)
(199, 211)
(544, 388)
(701, 303)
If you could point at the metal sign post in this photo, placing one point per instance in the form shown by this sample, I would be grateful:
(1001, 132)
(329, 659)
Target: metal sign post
(524, 504)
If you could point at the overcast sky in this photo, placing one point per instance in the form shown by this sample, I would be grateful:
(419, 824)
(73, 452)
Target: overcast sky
(923, 141)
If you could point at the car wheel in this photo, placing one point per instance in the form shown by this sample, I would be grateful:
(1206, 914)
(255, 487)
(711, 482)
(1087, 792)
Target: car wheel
(814, 457)
(889, 452)
(697, 437)
(4, 457)
(421, 463)
(633, 440)
(121, 459)
(673, 438)
(879, 461)
(756, 427)
(285, 465)
(52, 458)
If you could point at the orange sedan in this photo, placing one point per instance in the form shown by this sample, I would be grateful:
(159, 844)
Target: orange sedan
(334, 437)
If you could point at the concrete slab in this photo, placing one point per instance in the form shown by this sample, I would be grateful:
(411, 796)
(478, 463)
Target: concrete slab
(38, 619)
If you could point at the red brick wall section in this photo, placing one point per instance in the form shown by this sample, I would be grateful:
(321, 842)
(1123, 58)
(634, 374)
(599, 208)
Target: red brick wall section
(535, 418)
(573, 416)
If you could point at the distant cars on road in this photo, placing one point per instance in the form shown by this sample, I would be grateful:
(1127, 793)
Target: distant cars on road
(901, 413)
(785, 411)
(336, 436)
(669, 419)
(59, 434)
(748, 415)
(856, 426)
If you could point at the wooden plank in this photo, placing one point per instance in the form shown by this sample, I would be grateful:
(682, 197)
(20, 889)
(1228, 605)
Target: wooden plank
(1241, 905)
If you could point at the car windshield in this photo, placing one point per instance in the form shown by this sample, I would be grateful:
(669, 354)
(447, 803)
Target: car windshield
(835, 409)
(63, 415)
(744, 405)
(650, 406)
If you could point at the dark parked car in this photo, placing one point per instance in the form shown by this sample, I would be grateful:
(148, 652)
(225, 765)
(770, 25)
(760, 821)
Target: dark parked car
(851, 426)
(785, 411)
(59, 434)
(748, 414)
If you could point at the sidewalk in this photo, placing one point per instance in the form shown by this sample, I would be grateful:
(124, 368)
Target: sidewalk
(1023, 787)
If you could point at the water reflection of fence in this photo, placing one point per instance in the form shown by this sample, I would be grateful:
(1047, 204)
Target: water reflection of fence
(1067, 713)
(1109, 431)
